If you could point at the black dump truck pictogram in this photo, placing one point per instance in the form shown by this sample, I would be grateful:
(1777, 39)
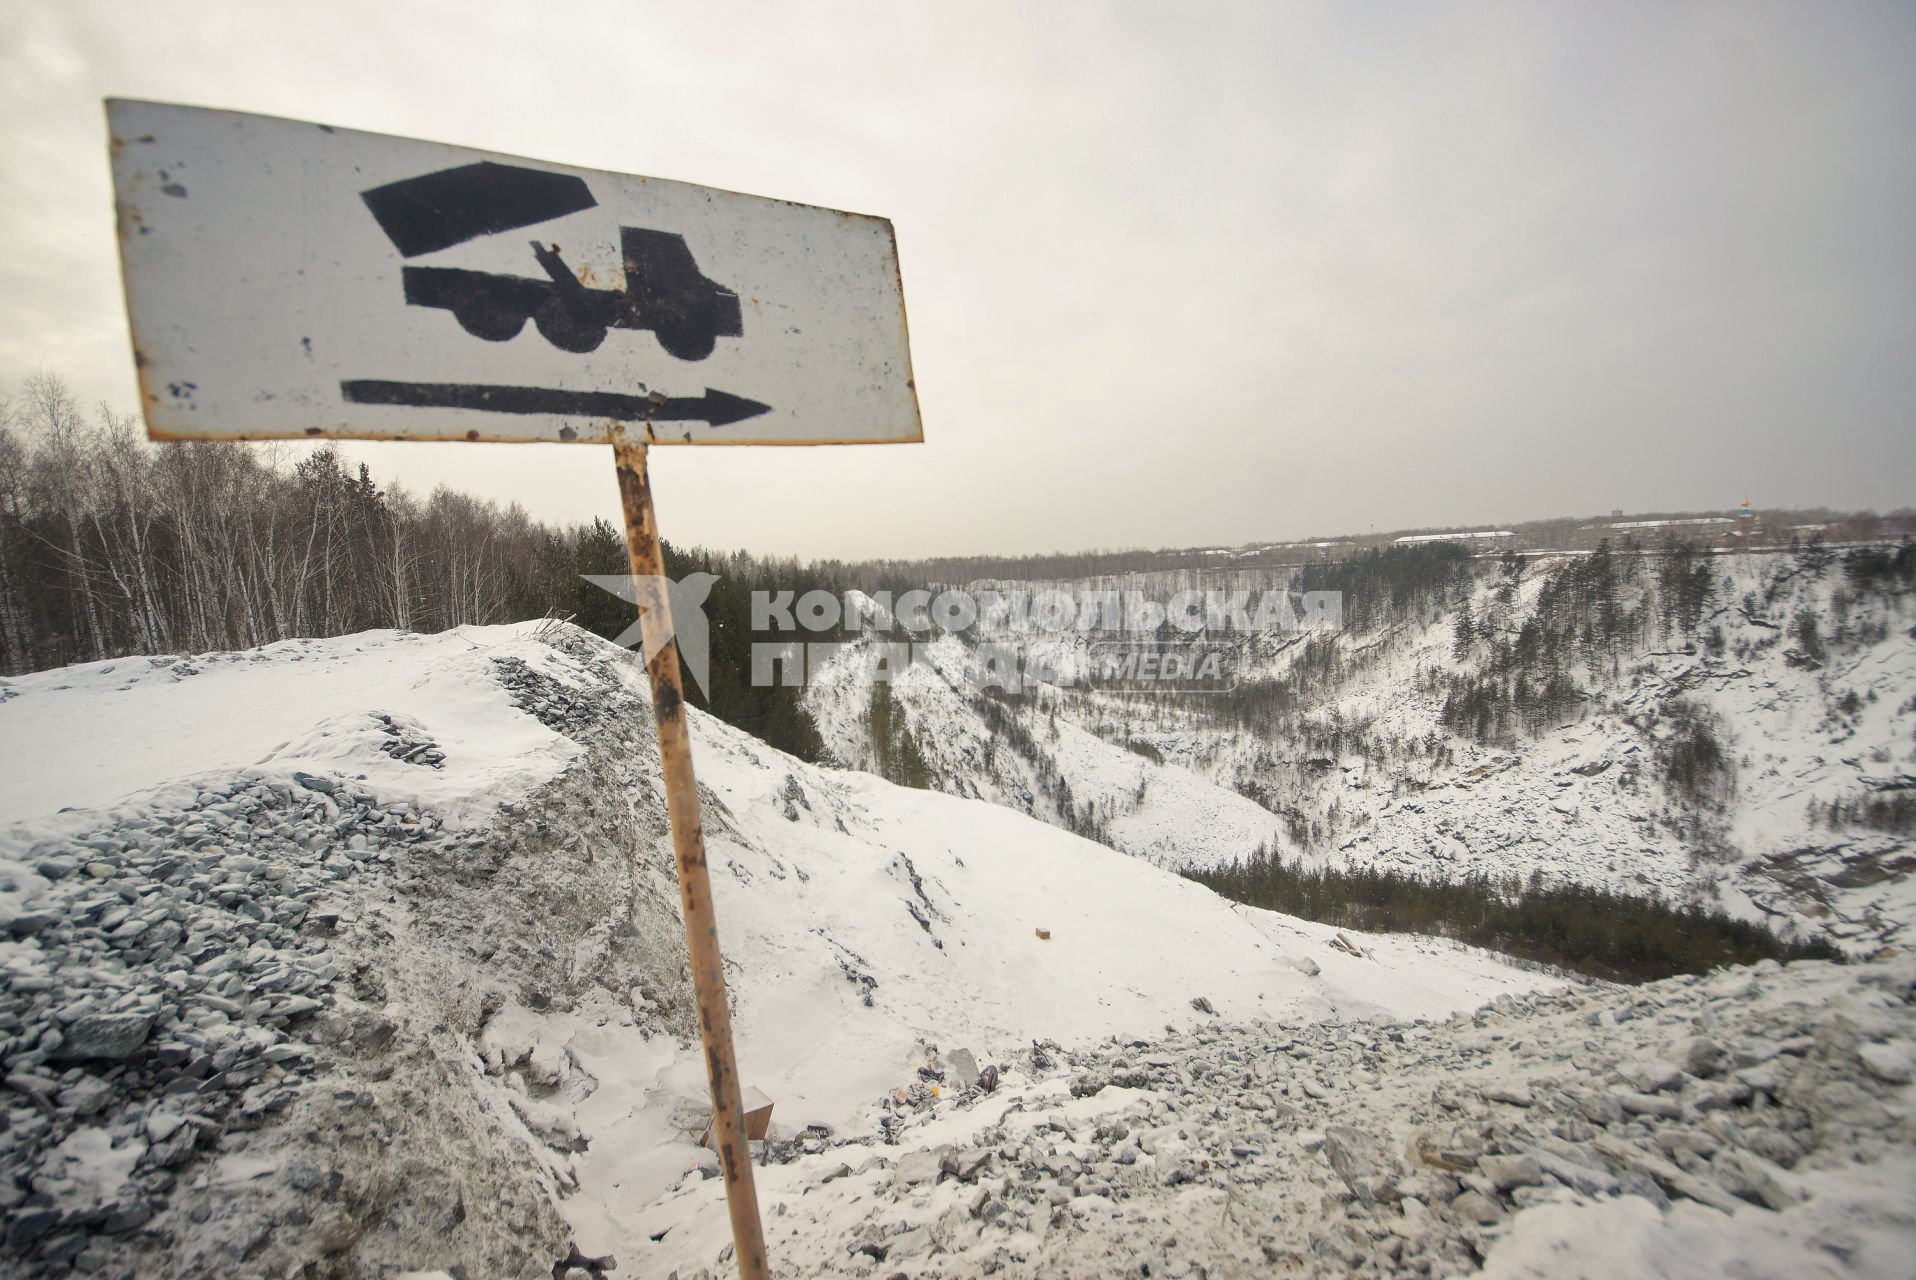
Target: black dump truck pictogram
(664, 292)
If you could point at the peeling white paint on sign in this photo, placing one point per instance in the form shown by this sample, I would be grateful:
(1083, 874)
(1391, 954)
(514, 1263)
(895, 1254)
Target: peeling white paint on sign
(289, 279)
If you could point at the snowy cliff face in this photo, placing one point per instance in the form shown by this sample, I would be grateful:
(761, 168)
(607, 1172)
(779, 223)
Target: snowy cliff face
(361, 953)
(1595, 780)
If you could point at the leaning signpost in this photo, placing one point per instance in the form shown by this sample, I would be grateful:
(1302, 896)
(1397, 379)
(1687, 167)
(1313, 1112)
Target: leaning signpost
(290, 280)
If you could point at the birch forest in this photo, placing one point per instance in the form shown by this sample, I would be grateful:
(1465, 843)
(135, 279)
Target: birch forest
(110, 545)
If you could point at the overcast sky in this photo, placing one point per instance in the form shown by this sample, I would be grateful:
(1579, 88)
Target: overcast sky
(1177, 274)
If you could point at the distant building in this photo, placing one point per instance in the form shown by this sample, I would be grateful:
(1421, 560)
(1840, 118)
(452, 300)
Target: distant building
(1481, 536)
(1702, 529)
(1288, 553)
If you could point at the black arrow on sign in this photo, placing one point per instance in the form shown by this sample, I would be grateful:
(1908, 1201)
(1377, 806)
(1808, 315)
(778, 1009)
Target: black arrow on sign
(719, 408)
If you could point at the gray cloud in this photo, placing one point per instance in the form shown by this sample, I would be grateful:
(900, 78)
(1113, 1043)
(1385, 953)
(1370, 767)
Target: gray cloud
(1176, 274)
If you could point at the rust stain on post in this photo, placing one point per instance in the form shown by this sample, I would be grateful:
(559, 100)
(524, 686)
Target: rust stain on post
(688, 844)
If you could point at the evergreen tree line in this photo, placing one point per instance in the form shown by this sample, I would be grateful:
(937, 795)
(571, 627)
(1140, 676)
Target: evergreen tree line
(773, 711)
(1880, 569)
(1407, 585)
(1614, 936)
(1692, 758)
(1402, 585)
(895, 753)
(1589, 615)
(1893, 811)
(1008, 728)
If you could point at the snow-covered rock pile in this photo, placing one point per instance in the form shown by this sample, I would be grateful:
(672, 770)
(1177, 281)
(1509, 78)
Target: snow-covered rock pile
(1764, 1110)
(568, 711)
(207, 1033)
(162, 986)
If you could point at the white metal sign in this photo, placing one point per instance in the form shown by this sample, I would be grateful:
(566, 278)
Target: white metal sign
(289, 279)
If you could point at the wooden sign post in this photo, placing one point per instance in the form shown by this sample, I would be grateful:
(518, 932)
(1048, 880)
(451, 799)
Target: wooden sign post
(688, 848)
(290, 280)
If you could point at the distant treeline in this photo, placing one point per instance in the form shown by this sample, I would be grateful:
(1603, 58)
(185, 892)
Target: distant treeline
(110, 546)
(772, 712)
(1651, 529)
(1607, 935)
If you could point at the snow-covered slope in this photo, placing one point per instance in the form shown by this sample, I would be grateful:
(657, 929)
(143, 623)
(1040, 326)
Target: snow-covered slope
(375, 939)
(1362, 768)
(1164, 811)
(1587, 798)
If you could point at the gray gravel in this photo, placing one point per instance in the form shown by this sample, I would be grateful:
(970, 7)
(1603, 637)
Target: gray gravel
(171, 989)
(1369, 1148)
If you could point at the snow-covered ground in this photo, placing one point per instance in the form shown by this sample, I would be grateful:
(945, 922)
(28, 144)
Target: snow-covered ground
(88, 737)
(456, 844)
(1752, 1124)
(363, 953)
